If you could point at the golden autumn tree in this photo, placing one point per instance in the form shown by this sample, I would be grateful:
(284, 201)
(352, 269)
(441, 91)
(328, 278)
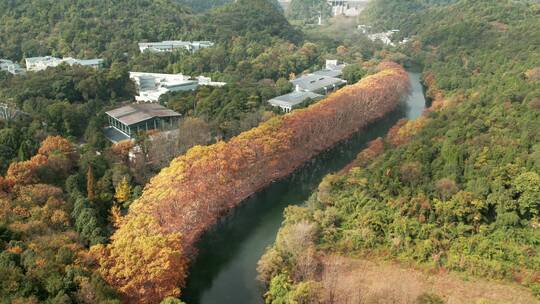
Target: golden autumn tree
(115, 216)
(123, 191)
(26, 172)
(57, 145)
(143, 262)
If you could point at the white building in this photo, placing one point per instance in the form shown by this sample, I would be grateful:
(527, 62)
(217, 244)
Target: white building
(207, 81)
(152, 85)
(35, 64)
(384, 37)
(349, 8)
(169, 46)
(11, 67)
(288, 101)
(312, 86)
(332, 69)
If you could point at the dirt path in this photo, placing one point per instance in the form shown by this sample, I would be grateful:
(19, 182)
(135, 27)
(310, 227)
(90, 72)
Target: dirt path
(362, 281)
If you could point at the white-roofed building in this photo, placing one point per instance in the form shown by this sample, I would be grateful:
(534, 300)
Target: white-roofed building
(35, 64)
(288, 101)
(152, 85)
(207, 81)
(172, 45)
(332, 69)
(11, 67)
(384, 37)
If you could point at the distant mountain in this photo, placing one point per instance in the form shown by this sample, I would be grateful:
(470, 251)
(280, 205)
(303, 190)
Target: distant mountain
(257, 19)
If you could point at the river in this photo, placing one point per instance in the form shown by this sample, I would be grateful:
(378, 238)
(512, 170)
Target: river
(225, 269)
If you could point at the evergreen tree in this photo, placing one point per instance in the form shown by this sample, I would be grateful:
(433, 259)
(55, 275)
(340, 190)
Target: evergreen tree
(90, 184)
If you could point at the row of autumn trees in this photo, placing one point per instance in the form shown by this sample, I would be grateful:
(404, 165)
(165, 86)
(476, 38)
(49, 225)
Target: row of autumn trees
(146, 260)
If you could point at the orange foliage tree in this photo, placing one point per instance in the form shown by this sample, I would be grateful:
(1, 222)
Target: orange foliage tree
(199, 187)
(56, 157)
(143, 261)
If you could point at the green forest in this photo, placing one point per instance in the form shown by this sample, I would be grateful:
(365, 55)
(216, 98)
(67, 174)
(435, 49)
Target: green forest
(459, 190)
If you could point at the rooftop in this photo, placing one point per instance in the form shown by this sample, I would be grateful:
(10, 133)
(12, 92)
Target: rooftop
(42, 59)
(329, 73)
(136, 113)
(294, 98)
(314, 82)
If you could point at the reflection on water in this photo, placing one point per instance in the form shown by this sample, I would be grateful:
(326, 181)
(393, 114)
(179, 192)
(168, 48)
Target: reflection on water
(225, 270)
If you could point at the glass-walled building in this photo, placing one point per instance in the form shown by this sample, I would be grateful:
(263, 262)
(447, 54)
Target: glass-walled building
(128, 121)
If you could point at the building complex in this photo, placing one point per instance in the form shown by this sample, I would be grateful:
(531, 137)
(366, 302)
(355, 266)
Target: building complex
(169, 46)
(311, 86)
(151, 86)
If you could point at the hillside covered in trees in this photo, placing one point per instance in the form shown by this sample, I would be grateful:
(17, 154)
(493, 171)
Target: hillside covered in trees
(89, 29)
(457, 190)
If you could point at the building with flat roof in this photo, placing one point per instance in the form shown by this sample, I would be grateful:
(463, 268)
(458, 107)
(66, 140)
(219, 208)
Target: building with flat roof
(152, 85)
(288, 101)
(207, 81)
(35, 64)
(312, 86)
(11, 67)
(319, 84)
(384, 37)
(172, 45)
(332, 69)
(130, 120)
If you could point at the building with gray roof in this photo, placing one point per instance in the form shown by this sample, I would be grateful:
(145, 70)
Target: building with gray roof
(288, 101)
(128, 121)
(332, 69)
(319, 84)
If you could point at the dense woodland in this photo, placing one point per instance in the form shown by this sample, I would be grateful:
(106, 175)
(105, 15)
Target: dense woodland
(456, 190)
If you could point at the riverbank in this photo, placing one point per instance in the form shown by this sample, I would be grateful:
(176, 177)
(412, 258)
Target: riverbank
(225, 269)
